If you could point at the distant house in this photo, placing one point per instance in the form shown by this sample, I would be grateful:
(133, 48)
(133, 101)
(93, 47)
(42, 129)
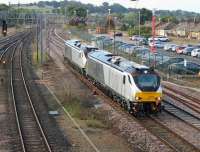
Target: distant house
(181, 30)
(101, 29)
(187, 30)
(105, 26)
(194, 32)
(164, 29)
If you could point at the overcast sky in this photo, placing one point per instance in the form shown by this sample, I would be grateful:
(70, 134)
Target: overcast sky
(189, 5)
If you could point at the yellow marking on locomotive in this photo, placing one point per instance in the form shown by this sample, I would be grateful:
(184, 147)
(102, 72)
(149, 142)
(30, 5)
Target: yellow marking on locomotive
(148, 96)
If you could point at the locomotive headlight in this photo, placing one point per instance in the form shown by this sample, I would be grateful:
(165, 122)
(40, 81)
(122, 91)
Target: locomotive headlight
(158, 98)
(137, 98)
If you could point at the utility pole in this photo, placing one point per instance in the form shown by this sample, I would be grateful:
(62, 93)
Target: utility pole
(24, 20)
(109, 10)
(87, 13)
(139, 21)
(41, 39)
(115, 18)
(37, 37)
(65, 14)
(46, 37)
(153, 48)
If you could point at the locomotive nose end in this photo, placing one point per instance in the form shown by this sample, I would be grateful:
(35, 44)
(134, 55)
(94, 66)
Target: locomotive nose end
(148, 97)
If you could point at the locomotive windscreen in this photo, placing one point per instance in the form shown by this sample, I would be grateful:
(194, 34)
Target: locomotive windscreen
(147, 82)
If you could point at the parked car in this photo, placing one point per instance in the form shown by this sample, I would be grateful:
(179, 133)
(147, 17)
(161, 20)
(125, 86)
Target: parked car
(195, 52)
(130, 49)
(188, 50)
(142, 50)
(159, 38)
(118, 34)
(151, 39)
(122, 45)
(118, 44)
(179, 49)
(174, 48)
(137, 38)
(157, 44)
(163, 38)
(168, 47)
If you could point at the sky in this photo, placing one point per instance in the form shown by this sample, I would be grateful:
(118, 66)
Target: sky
(189, 5)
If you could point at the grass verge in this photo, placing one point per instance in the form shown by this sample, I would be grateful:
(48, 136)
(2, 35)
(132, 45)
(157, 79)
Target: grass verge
(82, 110)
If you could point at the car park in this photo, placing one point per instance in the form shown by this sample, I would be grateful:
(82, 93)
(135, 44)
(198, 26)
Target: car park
(128, 48)
(118, 34)
(195, 52)
(159, 38)
(188, 50)
(151, 39)
(179, 49)
(119, 43)
(122, 46)
(163, 38)
(137, 38)
(168, 47)
(174, 48)
(157, 44)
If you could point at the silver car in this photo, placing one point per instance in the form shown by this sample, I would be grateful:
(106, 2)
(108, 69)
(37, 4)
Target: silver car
(168, 47)
(188, 50)
(174, 48)
(195, 52)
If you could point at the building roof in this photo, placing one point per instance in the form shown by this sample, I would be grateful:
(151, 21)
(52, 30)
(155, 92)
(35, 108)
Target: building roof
(188, 27)
(166, 26)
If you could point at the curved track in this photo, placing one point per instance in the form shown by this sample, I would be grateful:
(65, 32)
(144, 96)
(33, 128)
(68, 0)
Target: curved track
(30, 131)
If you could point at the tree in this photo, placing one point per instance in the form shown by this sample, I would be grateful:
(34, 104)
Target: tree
(144, 31)
(145, 15)
(4, 7)
(79, 10)
(118, 8)
(166, 19)
(105, 4)
(41, 4)
(131, 19)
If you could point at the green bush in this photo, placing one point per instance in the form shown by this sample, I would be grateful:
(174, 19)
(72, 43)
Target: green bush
(144, 31)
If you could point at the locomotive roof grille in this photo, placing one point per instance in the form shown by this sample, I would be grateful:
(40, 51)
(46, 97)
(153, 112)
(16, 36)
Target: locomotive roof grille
(118, 62)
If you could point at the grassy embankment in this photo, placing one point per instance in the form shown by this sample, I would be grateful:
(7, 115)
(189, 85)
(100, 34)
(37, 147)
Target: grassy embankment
(83, 109)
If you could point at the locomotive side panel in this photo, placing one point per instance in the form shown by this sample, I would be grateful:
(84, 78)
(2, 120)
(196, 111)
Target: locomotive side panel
(75, 56)
(68, 52)
(95, 70)
(110, 77)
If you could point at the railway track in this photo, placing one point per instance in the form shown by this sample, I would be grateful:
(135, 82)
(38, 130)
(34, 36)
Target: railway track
(9, 136)
(167, 136)
(5, 42)
(189, 101)
(183, 115)
(32, 137)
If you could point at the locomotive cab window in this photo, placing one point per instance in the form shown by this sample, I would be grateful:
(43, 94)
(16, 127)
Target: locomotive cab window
(129, 79)
(124, 79)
